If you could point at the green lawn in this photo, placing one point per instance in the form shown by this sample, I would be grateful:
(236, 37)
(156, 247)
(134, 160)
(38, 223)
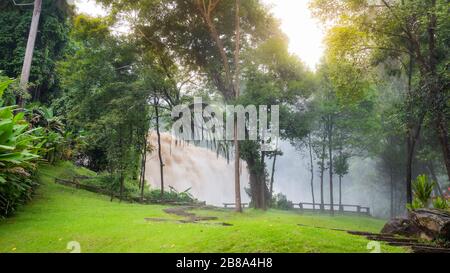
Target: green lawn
(59, 214)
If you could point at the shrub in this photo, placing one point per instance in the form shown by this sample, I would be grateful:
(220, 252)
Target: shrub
(440, 203)
(416, 204)
(281, 202)
(107, 183)
(19, 151)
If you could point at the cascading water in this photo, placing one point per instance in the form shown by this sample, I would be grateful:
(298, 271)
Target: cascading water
(209, 176)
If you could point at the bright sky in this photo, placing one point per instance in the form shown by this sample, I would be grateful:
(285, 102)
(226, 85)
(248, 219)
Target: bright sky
(304, 32)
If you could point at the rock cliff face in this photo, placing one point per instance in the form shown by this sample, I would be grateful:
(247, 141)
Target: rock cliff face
(427, 224)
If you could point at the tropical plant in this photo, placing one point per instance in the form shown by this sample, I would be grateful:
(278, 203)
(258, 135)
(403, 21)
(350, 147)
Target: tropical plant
(19, 150)
(416, 204)
(55, 140)
(440, 203)
(422, 189)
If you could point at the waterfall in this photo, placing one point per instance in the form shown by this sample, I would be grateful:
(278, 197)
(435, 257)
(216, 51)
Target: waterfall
(209, 176)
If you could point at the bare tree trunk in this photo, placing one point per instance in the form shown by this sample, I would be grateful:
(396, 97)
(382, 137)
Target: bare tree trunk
(262, 181)
(272, 175)
(158, 133)
(391, 183)
(26, 68)
(412, 135)
(143, 167)
(237, 175)
(442, 133)
(111, 177)
(437, 187)
(121, 167)
(340, 192)
(330, 153)
(122, 180)
(322, 173)
(409, 161)
(312, 171)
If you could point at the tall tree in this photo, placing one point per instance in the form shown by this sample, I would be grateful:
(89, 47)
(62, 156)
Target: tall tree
(392, 32)
(25, 76)
(31, 53)
(206, 36)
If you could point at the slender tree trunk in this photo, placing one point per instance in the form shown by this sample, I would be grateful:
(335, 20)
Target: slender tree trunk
(391, 183)
(409, 161)
(312, 170)
(237, 175)
(143, 167)
(111, 177)
(262, 181)
(340, 192)
(122, 180)
(273, 175)
(322, 173)
(255, 184)
(121, 167)
(158, 133)
(437, 187)
(330, 153)
(26, 68)
(143, 177)
(412, 135)
(442, 133)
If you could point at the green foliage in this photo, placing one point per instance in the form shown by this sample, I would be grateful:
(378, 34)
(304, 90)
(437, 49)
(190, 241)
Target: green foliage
(19, 151)
(416, 204)
(341, 166)
(50, 43)
(110, 183)
(102, 97)
(281, 202)
(441, 203)
(154, 196)
(422, 189)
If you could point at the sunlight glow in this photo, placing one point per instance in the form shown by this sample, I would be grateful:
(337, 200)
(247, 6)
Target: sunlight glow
(304, 33)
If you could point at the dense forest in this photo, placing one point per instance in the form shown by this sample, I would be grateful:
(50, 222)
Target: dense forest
(93, 93)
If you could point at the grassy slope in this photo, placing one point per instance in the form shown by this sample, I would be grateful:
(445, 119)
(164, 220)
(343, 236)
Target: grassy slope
(59, 214)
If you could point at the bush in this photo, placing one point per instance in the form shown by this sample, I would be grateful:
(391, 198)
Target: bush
(19, 151)
(440, 203)
(416, 204)
(281, 202)
(106, 182)
(168, 196)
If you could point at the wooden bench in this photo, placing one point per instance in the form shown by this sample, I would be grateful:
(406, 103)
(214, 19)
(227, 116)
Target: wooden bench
(233, 205)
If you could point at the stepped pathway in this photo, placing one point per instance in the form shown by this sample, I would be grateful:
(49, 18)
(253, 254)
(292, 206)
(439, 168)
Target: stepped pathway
(189, 216)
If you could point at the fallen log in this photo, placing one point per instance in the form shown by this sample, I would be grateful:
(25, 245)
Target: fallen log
(435, 224)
